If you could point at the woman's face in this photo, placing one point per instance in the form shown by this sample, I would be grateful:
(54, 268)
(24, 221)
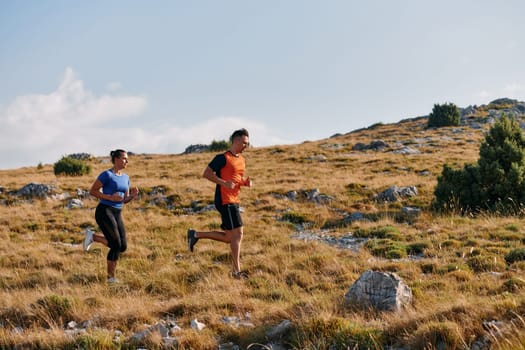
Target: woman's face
(122, 161)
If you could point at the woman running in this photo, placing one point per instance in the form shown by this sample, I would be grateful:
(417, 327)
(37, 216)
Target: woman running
(112, 188)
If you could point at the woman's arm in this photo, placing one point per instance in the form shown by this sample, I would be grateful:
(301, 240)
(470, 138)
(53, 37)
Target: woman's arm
(130, 195)
(95, 192)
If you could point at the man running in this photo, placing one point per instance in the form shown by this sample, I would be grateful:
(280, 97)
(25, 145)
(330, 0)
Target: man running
(226, 170)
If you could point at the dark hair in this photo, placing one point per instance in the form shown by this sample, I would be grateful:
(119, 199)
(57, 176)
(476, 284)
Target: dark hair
(116, 154)
(240, 132)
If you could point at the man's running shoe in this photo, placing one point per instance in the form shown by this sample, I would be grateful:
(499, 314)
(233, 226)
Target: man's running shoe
(240, 275)
(192, 240)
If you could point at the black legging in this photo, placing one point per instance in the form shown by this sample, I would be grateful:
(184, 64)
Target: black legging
(109, 220)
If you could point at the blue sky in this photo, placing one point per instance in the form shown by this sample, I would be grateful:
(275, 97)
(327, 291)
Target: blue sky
(157, 76)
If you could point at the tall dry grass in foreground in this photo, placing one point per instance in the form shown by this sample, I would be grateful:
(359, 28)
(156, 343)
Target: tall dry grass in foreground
(459, 281)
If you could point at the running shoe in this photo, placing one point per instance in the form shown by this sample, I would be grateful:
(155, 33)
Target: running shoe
(112, 280)
(88, 241)
(192, 240)
(239, 275)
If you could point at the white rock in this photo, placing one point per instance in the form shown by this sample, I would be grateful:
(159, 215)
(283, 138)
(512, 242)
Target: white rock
(197, 325)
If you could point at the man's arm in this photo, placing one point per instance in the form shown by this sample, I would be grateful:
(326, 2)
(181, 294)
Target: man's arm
(210, 175)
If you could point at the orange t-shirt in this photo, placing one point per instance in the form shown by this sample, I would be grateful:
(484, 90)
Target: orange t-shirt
(228, 167)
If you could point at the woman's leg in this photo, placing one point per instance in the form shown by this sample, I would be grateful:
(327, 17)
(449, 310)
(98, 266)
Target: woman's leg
(106, 218)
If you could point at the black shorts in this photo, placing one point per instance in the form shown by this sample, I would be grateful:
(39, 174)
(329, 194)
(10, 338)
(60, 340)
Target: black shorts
(230, 215)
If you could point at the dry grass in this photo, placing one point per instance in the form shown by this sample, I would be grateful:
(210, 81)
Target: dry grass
(460, 281)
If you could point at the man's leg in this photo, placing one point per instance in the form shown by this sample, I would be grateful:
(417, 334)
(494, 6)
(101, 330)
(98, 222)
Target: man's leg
(233, 237)
(235, 245)
(214, 235)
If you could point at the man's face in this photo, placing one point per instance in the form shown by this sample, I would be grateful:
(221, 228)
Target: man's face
(240, 143)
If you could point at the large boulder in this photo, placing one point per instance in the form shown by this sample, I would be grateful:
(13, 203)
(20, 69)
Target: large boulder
(383, 291)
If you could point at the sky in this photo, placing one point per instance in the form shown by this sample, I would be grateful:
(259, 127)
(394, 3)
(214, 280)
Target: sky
(157, 76)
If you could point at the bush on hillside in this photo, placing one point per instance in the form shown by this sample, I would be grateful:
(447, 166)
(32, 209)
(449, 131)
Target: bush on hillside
(71, 167)
(496, 182)
(219, 146)
(444, 115)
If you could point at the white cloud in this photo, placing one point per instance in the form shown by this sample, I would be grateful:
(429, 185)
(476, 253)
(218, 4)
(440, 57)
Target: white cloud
(44, 127)
(175, 139)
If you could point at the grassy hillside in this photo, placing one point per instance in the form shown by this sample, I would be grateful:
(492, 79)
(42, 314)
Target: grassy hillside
(463, 288)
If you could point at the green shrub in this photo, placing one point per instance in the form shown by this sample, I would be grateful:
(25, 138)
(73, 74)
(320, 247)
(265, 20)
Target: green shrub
(514, 255)
(71, 167)
(219, 146)
(457, 190)
(444, 115)
(495, 183)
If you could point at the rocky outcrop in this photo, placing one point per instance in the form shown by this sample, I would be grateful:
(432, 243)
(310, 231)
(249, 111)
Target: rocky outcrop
(394, 193)
(376, 145)
(80, 156)
(199, 148)
(35, 190)
(313, 195)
